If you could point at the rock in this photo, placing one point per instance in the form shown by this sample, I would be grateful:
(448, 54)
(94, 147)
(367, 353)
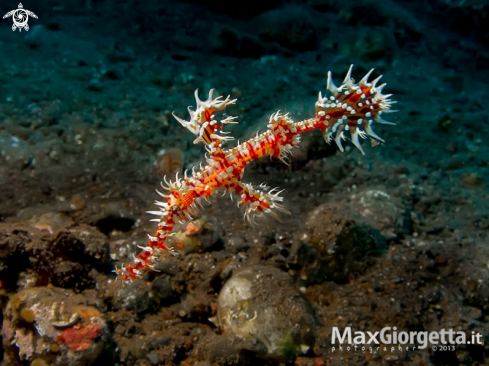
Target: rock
(168, 265)
(14, 151)
(162, 289)
(472, 180)
(200, 235)
(372, 44)
(236, 244)
(96, 245)
(53, 222)
(73, 50)
(379, 208)
(28, 258)
(131, 296)
(228, 41)
(54, 325)
(261, 306)
(291, 27)
(371, 13)
(47, 113)
(227, 350)
(77, 202)
(339, 246)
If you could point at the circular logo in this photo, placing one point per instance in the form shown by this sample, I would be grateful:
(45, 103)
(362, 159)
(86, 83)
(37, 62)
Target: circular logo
(20, 18)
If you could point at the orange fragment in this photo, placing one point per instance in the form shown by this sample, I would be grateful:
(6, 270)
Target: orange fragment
(192, 229)
(86, 311)
(80, 339)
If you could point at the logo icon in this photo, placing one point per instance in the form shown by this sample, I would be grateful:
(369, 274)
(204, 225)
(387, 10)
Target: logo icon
(20, 17)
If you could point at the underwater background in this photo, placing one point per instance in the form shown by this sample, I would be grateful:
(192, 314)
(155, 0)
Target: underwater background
(395, 238)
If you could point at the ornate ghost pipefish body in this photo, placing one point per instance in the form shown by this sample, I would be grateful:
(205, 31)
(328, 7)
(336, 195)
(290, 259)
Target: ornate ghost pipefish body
(352, 108)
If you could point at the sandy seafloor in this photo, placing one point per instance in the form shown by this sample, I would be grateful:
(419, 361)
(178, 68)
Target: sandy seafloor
(395, 238)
